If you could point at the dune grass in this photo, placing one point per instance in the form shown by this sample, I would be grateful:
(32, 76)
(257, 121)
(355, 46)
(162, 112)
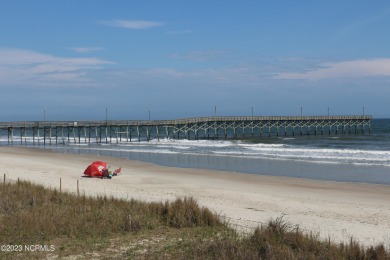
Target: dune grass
(103, 227)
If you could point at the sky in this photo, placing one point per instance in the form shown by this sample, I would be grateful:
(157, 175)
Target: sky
(125, 60)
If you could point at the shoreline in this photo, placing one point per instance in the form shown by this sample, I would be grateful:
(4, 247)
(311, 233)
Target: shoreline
(283, 167)
(335, 210)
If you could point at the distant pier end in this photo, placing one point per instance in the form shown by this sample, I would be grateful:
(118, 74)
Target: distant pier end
(231, 127)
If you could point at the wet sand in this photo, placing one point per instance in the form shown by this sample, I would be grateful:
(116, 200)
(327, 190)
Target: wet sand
(335, 210)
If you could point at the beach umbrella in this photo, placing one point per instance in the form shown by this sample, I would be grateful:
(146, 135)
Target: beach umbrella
(96, 169)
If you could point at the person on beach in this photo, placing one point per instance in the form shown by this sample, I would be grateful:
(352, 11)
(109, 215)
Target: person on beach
(106, 174)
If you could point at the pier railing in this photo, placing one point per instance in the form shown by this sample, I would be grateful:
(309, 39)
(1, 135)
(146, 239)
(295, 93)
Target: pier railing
(177, 121)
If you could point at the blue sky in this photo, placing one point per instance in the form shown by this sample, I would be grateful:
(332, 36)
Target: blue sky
(73, 59)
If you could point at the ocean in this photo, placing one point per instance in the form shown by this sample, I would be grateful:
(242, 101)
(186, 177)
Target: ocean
(362, 158)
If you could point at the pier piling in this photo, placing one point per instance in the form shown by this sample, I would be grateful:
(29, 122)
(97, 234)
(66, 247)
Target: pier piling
(195, 128)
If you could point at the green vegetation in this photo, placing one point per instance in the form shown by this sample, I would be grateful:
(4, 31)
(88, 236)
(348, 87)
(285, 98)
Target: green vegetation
(64, 225)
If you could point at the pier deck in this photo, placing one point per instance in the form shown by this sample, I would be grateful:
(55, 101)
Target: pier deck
(110, 131)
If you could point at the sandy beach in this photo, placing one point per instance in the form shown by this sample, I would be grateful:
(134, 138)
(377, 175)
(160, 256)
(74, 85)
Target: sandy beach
(335, 210)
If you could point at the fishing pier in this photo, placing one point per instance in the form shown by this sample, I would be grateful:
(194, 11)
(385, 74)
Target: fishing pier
(115, 131)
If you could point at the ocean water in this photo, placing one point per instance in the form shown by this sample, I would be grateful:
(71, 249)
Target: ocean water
(345, 158)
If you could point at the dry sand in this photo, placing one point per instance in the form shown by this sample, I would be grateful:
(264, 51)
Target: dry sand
(335, 210)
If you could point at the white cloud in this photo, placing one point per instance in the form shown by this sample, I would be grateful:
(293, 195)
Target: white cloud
(132, 24)
(85, 49)
(234, 76)
(179, 32)
(355, 26)
(345, 69)
(200, 56)
(25, 67)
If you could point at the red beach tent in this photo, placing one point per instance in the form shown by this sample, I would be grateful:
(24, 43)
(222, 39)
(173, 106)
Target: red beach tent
(96, 169)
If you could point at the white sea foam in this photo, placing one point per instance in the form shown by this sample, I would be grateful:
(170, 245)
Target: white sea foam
(317, 153)
(282, 151)
(161, 151)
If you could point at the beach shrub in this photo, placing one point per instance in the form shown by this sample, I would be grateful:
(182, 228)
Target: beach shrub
(31, 213)
(179, 229)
